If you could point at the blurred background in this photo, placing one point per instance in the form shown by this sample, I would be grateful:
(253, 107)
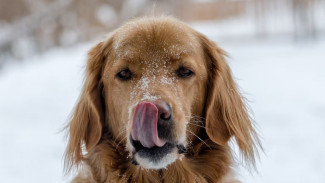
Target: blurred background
(276, 52)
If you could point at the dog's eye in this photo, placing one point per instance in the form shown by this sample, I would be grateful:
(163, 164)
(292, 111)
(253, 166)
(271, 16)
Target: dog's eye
(184, 72)
(124, 75)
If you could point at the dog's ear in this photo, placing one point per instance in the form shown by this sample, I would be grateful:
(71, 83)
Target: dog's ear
(225, 111)
(85, 127)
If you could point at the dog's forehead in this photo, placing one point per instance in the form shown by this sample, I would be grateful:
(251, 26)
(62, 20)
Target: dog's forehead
(153, 41)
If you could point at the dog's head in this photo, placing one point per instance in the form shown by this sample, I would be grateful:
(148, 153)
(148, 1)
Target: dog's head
(153, 85)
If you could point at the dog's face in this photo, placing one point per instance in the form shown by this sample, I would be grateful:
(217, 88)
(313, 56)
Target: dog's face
(144, 85)
(153, 83)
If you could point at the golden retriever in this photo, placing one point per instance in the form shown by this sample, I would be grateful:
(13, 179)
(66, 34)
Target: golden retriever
(159, 104)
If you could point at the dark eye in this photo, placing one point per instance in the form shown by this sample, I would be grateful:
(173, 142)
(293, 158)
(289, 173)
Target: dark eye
(124, 75)
(184, 72)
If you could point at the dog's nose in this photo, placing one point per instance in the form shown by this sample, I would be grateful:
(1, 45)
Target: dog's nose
(164, 111)
(165, 118)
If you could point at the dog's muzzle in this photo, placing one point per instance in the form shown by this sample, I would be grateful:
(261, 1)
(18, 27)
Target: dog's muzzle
(151, 132)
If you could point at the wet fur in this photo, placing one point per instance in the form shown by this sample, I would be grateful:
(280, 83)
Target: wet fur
(98, 150)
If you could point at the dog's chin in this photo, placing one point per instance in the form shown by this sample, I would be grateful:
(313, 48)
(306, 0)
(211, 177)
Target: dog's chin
(148, 160)
(155, 157)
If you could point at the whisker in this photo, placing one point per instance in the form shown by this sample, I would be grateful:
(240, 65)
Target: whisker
(196, 125)
(121, 141)
(196, 119)
(120, 133)
(199, 138)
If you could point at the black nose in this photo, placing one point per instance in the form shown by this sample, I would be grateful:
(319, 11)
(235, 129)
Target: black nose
(165, 118)
(164, 111)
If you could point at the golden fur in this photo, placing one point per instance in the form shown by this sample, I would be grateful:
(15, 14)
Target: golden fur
(210, 102)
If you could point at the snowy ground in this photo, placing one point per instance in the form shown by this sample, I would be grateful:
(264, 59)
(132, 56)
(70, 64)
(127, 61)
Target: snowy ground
(285, 85)
(284, 82)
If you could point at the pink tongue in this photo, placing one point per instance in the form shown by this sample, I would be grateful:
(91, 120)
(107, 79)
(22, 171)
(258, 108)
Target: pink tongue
(144, 126)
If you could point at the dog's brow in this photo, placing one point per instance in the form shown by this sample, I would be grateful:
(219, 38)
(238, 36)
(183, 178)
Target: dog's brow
(166, 47)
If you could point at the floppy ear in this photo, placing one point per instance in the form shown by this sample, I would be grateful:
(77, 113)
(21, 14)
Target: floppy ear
(85, 127)
(226, 113)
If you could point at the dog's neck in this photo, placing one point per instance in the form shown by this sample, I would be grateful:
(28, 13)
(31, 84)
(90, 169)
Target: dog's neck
(108, 162)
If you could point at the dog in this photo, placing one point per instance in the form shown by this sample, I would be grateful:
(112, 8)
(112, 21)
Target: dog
(159, 104)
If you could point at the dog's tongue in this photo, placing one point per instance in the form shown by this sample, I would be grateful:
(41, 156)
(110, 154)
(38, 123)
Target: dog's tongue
(144, 125)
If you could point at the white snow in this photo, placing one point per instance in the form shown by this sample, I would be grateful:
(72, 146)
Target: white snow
(284, 83)
(36, 98)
